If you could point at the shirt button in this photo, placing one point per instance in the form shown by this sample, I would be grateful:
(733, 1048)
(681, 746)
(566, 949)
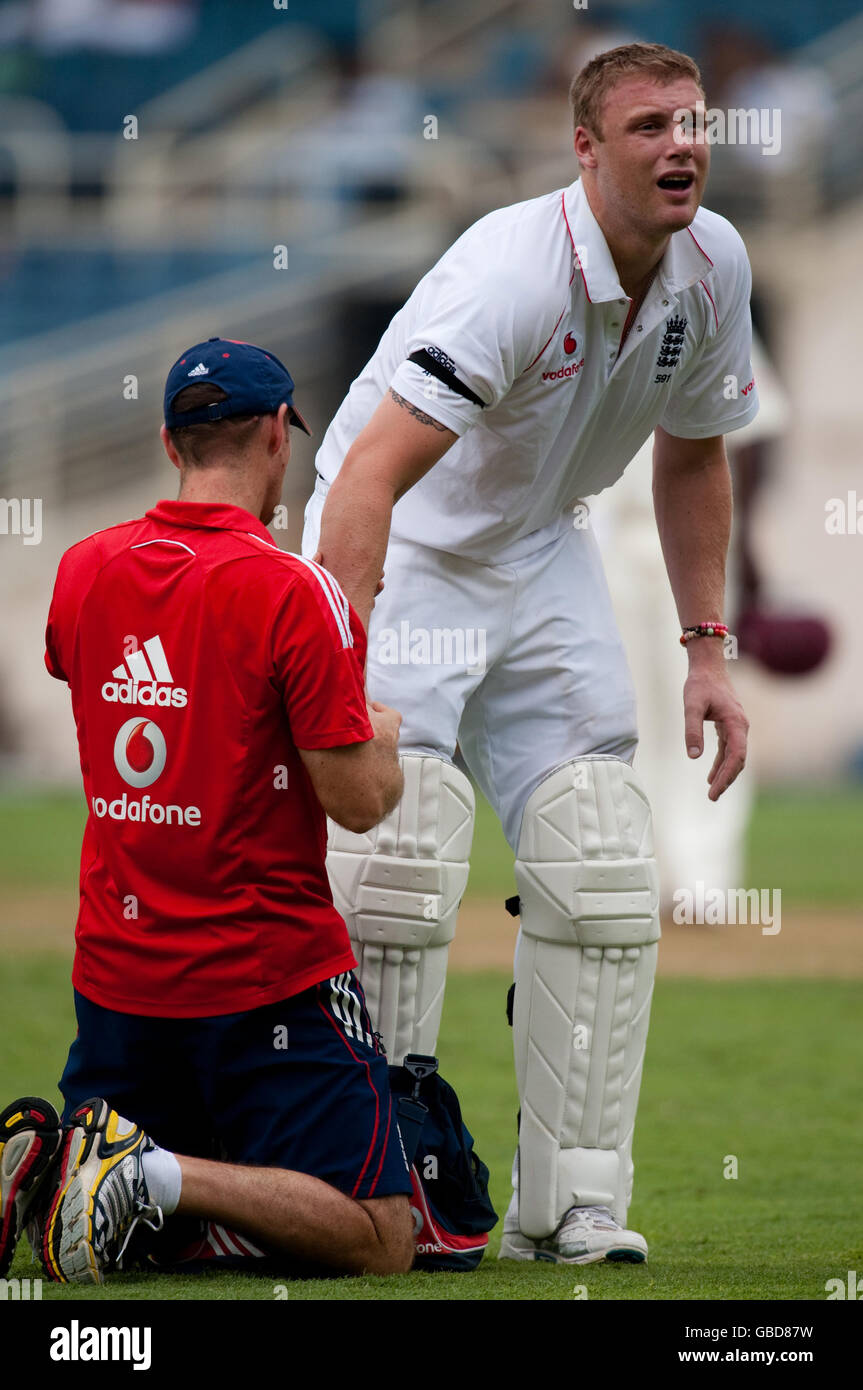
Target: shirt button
(621, 301)
(616, 324)
(638, 329)
(665, 303)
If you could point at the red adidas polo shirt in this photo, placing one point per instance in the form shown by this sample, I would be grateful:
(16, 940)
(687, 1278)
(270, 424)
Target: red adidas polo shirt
(200, 657)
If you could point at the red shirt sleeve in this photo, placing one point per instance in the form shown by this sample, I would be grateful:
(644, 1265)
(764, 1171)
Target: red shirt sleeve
(76, 568)
(318, 651)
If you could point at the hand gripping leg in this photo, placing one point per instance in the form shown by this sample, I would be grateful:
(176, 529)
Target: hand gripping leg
(399, 888)
(586, 959)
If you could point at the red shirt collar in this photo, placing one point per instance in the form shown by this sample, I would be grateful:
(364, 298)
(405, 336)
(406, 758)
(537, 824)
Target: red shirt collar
(217, 516)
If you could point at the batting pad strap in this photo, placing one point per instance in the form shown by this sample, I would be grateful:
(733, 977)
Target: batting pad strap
(398, 888)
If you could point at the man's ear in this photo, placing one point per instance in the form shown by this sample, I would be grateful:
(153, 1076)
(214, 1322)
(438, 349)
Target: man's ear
(169, 448)
(584, 143)
(278, 430)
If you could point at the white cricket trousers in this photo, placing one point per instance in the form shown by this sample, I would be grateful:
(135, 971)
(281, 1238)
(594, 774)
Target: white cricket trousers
(508, 670)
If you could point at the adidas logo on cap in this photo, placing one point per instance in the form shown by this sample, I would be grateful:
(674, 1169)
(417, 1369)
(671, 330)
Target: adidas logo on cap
(145, 679)
(200, 370)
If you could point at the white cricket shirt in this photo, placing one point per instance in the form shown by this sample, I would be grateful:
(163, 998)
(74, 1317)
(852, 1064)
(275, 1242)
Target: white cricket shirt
(525, 313)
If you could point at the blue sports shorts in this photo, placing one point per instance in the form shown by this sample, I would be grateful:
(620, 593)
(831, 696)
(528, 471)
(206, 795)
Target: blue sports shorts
(301, 1084)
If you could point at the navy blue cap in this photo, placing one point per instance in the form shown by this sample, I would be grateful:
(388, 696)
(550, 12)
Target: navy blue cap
(255, 382)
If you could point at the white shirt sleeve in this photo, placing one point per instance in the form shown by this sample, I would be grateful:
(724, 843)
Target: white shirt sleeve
(474, 330)
(434, 397)
(717, 394)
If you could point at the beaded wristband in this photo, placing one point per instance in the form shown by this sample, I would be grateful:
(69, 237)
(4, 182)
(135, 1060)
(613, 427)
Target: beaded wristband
(703, 630)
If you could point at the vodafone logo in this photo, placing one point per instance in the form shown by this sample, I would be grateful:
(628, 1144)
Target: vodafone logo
(140, 752)
(569, 345)
(572, 370)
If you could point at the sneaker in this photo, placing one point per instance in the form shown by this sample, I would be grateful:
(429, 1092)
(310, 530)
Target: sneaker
(100, 1197)
(30, 1135)
(584, 1236)
(211, 1247)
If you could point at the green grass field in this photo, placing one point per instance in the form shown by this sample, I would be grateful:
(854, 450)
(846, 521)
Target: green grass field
(809, 843)
(766, 1071)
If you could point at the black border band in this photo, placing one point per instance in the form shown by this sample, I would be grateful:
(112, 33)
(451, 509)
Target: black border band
(424, 359)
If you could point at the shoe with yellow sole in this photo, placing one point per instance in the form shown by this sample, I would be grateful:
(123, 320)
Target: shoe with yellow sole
(30, 1136)
(100, 1196)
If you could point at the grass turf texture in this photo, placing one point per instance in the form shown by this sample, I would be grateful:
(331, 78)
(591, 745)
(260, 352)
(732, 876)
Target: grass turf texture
(807, 843)
(764, 1071)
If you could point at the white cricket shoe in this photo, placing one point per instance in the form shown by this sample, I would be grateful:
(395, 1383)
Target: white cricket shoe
(584, 1236)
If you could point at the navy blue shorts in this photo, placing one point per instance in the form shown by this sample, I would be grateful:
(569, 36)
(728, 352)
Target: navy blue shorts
(300, 1084)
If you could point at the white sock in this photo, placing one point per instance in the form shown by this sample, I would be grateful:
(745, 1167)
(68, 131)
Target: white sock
(164, 1178)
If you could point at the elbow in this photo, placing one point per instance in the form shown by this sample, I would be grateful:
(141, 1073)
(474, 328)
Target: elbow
(358, 822)
(361, 815)
(364, 813)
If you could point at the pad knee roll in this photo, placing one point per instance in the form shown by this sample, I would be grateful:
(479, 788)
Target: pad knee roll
(589, 891)
(398, 888)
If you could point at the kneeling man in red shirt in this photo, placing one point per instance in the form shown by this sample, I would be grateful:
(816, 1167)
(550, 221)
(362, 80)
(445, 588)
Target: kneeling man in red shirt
(225, 1069)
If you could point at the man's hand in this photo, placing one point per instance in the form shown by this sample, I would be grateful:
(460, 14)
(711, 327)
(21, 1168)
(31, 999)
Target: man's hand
(692, 500)
(319, 560)
(360, 783)
(708, 694)
(386, 723)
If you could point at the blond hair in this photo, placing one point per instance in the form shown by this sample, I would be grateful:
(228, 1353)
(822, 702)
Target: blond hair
(596, 79)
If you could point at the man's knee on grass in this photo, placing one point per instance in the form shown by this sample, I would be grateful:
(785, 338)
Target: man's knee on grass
(393, 1250)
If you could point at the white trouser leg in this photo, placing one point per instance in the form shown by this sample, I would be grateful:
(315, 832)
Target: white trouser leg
(399, 888)
(589, 894)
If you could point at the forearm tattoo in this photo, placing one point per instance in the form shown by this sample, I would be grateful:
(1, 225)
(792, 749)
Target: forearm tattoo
(416, 412)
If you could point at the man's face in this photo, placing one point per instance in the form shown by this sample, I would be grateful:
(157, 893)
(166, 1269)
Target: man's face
(642, 174)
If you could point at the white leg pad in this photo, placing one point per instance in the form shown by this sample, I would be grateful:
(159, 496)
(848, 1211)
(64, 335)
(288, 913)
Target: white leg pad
(399, 888)
(586, 959)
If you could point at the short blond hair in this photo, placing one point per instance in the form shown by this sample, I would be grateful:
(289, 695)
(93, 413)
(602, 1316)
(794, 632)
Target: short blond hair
(596, 79)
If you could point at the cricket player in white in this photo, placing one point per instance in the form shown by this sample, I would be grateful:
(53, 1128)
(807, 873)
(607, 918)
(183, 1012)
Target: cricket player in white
(523, 373)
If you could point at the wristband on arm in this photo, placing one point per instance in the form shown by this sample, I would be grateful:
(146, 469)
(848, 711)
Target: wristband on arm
(710, 629)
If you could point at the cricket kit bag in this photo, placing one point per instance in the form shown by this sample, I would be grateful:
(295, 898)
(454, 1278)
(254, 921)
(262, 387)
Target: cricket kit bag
(451, 1207)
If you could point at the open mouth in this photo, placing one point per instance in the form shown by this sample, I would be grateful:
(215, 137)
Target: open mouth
(676, 183)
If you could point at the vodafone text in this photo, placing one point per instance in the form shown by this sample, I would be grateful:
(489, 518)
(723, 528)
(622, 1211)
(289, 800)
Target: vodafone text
(126, 808)
(572, 370)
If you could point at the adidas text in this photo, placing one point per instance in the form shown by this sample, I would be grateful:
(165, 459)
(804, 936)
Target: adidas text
(144, 693)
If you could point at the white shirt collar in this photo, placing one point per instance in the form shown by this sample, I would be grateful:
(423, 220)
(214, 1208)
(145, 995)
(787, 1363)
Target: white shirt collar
(683, 264)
